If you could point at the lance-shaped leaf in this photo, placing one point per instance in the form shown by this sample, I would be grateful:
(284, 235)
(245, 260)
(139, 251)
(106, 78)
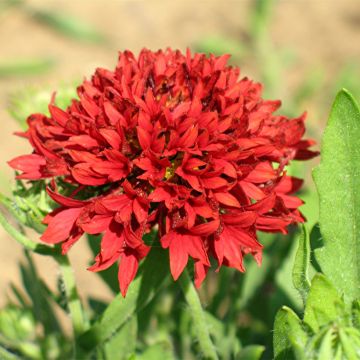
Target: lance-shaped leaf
(152, 276)
(323, 305)
(300, 272)
(338, 183)
(251, 352)
(289, 335)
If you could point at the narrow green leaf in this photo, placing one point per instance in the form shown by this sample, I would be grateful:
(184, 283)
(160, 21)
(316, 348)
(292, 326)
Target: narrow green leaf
(325, 351)
(314, 343)
(348, 346)
(16, 67)
(337, 180)
(338, 352)
(153, 273)
(253, 278)
(356, 313)
(289, 335)
(123, 342)
(284, 281)
(261, 14)
(35, 100)
(221, 45)
(321, 306)
(68, 25)
(250, 352)
(7, 355)
(158, 351)
(226, 342)
(199, 323)
(300, 274)
(41, 305)
(316, 242)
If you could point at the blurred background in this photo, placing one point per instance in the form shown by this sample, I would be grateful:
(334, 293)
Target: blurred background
(303, 51)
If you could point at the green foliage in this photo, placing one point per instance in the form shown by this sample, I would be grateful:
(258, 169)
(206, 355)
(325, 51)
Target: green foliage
(29, 204)
(300, 273)
(289, 335)
(338, 183)
(330, 327)
(15, 67)
(251, 352)
(159, 321)
(32, 100)
(120, 311)
(67, 25)
(219, 45)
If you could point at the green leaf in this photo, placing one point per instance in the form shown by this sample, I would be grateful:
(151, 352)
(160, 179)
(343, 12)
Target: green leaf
(7, 355)
(356, 313)
(323, 303)
(337, 180)
(41, 302)
(261, 14)
(151, 277)
(35, 100)
(289, 335)
(16, 67)
(316, 242)
(158, 351)
(284, 282)
(16, 323)
(325, 351)
(227, 345)
(349, 347)
(251, 352)
(29, 205)
(123, 342)
(221, 45)
(300, 272)
(253, 278)
(68, 25)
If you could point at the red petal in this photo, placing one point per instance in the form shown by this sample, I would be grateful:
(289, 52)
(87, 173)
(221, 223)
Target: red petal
(65, 201)
(144, 138)
(242, 219)
(206, 229)
(200, 273)
(127, 271)
(97, 224)
(251, 190)
(227, 199)
(214, 182)
(60, 116)
(262, 173)
(31, 165)
(60, 225)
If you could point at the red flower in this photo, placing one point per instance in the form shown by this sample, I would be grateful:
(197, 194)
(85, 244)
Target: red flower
(171, 141)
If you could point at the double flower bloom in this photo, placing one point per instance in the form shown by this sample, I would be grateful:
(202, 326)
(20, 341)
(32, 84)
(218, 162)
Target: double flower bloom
(168, 142)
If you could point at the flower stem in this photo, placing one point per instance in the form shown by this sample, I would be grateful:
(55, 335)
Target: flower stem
(25, 241)
(198, 315)
(79, 322)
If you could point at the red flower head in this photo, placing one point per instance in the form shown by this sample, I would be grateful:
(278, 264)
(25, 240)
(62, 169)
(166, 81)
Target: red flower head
(175, 142)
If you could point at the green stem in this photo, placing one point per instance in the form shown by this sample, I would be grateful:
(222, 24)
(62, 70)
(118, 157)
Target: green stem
(73, 301)
(25, 241)
(199, 321)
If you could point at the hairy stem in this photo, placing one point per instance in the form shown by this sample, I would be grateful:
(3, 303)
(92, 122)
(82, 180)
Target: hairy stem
(198, 315)
(77, 315)
(25, 241)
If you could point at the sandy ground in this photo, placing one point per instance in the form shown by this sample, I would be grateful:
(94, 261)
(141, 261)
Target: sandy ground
(323, 33)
